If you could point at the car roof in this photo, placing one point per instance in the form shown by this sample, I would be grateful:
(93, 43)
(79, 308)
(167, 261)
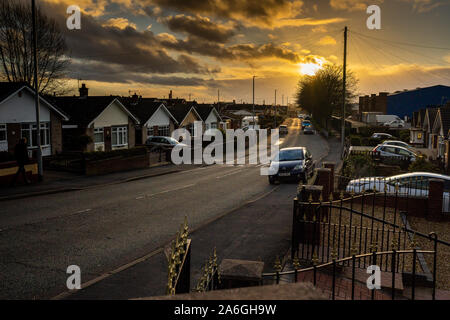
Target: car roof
(391, 141)
(423, 174)
(293, 148)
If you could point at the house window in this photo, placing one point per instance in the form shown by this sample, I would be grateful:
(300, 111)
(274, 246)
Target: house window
(3, 136)
(163, 131)
(98, 135)
(214, 125)
(28, 131)
(119, 136)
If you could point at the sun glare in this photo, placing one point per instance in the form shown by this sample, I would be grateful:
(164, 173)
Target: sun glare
(310, 68)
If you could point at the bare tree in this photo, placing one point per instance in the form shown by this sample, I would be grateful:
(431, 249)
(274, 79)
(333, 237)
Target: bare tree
(16, 47)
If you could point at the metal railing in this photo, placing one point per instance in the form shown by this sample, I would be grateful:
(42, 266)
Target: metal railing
(210, 279)
(179, 263)
(392, 255)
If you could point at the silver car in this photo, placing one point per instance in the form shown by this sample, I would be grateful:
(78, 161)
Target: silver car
(395, 151)
(414, 184)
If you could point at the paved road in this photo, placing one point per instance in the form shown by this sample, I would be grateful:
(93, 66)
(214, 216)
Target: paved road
(103, 228)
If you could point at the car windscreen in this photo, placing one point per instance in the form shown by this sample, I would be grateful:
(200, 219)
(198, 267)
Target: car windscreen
(290, 155)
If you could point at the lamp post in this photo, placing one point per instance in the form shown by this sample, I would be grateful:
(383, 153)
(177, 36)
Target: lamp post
(254, 101)
(36, 93)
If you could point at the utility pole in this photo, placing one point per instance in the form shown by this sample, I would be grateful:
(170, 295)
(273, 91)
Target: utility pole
(36, 95)
(254, 101)
(275, 108)
(344, 80)
(218, 97)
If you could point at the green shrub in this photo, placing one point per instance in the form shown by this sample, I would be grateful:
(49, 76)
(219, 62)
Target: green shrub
(355, 141)
(422, 165)
(404, 135)
(359, 165)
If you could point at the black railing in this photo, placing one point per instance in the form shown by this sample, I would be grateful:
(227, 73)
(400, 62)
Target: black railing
(324, 227)
(179, 263)
(353, 261)
(210, 279)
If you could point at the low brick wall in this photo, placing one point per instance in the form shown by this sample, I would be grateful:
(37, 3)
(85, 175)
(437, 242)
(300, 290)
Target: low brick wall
(9, 169)
(99, 167)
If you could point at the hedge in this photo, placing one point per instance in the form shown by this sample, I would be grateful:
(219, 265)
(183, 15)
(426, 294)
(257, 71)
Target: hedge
(122, 153)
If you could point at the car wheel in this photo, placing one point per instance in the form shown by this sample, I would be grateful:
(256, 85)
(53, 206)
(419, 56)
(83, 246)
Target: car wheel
(271, 180)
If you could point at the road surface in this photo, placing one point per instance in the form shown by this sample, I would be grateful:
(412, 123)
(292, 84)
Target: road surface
(102, 228)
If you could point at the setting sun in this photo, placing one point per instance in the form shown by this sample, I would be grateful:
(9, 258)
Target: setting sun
(310, 69)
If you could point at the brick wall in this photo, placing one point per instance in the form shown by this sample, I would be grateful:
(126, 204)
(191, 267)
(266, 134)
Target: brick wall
(55, 133)
(131, 134)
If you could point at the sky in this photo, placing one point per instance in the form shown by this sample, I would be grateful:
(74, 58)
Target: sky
(199, 47)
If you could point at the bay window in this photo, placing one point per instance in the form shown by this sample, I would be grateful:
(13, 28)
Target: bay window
(28, 131)
(119, 137)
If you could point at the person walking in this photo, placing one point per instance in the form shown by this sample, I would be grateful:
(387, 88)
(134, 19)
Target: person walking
(21, 154)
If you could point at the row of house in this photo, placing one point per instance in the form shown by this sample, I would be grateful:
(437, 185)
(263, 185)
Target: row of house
(93, 123)
(430, 129)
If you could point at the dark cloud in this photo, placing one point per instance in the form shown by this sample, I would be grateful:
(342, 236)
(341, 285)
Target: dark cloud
(243, 52)
(137, 51)
(198, 26)
(118, 74)
(263, 12)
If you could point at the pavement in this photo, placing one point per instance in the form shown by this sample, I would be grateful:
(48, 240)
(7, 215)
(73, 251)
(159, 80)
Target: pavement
(58, 182)
(115, 231)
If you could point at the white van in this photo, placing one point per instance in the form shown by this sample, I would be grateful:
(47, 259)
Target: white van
(384, 118)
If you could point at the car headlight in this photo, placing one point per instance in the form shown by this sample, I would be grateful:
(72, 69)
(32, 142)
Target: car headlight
(298, 167)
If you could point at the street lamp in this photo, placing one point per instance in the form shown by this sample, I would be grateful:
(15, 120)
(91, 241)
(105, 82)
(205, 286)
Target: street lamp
(254, 101)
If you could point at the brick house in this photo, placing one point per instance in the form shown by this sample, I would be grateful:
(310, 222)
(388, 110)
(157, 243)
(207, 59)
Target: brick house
(154, 117)
(18, 119)
(104, 119)
(186, 115)
(210, 116)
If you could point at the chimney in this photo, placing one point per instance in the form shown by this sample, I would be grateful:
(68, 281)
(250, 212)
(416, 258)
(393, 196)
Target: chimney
(83, 90)
(170, 95)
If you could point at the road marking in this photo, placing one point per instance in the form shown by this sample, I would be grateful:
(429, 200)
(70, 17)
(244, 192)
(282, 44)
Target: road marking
(83, 211)
(229, 174)
(171, 190)
(141, 197)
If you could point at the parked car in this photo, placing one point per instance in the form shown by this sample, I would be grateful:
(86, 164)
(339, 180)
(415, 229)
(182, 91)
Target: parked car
(291, 163)
(308, 130)
(155, 142)
(382, 136)
(400, 144)
(395, 151)
(283, 129)
(414, 184)
(395, 124)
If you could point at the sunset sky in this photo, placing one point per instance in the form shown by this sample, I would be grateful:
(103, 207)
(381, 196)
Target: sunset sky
(199, 46)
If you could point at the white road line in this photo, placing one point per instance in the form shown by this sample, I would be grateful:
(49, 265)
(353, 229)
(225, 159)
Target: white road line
(83, 211)
(167, 191)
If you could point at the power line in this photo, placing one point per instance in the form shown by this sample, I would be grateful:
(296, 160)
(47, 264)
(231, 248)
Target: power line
(402, 43)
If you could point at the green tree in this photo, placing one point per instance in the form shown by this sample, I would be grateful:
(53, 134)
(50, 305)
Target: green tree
(321, 94)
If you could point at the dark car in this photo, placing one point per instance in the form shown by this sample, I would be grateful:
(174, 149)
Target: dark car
(291, 164)
(308, 130)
